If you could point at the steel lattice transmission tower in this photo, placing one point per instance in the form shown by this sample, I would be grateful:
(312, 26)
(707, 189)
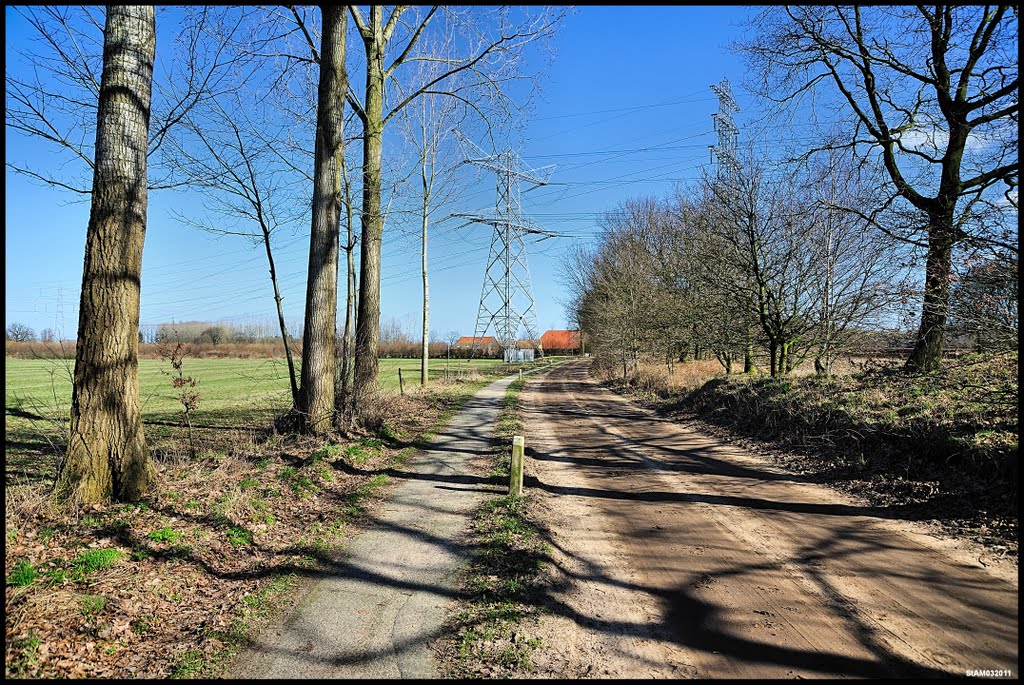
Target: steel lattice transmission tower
(506, 297)
(726, 150)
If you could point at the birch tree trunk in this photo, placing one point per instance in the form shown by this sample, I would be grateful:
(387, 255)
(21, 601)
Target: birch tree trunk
(107, 455)
(317, 388)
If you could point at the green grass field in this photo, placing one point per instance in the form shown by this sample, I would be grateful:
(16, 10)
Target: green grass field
(236, 397)
(224, 384)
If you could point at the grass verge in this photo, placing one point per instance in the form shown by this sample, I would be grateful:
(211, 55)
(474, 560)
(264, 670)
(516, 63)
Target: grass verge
(175, 585)
(489, 633)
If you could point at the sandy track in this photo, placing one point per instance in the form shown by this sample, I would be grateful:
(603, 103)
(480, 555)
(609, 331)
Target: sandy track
(680, 556)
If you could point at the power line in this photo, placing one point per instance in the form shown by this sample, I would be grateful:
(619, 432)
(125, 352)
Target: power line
(506, 297)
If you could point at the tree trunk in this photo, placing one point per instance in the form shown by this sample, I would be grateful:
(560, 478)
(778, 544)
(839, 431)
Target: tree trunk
(425, 359)
(317, 393)
(773, 358)
(350, 309)
(280, 319)
(927, 353)
(368, 320)
(748, 358)
(823, 360)
(107, 454)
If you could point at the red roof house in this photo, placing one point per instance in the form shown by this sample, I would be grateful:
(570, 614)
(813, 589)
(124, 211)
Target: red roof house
(560, 341)
(468, 340)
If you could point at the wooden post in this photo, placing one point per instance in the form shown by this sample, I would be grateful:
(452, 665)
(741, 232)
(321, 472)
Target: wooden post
(515, 481)
(401, 387)
(520, 374)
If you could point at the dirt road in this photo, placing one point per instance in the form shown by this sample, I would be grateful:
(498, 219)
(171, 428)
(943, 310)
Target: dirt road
(679, 556)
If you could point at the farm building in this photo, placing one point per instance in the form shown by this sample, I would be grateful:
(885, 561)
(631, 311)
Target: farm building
(561, 342)
(488, 346)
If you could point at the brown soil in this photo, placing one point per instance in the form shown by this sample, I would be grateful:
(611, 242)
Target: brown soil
(679, 555)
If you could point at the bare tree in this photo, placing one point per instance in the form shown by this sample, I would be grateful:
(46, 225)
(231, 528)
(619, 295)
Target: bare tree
(619, 309)
(451, 338)
(492, 46)
(429, 124)
(491, 60)
(317, 390)
(930, 94)
(292, 42)
(19, 332)
(762, 230)
(343, 400)
(985, 302)
(856, 268)
(722, 314)
(54, 96)
(107, 454)
(218, 152)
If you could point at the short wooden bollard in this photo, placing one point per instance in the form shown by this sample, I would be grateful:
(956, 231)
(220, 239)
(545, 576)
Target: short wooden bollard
(401, 386)
(515, 479)
(520, 374)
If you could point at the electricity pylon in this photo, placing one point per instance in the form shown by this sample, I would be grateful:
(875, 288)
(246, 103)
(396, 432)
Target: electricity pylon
(728, 164)
(506, 297)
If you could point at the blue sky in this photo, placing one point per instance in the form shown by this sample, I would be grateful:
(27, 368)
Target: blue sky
(625, 111)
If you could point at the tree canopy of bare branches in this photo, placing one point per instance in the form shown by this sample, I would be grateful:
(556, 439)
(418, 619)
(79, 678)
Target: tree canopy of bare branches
(930, 95)
(758, 258)
(53, 96)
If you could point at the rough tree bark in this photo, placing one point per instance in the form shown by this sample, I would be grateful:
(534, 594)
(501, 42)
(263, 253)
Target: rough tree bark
(317, 385)
(107, 455)
(375, 36)
(368, 317)
(927, 352)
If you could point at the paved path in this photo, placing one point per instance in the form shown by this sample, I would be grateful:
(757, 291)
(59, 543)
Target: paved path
(374, 615)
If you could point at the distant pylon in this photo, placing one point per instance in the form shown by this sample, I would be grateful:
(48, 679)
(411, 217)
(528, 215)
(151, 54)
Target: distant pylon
(506, 297)
(725, 150)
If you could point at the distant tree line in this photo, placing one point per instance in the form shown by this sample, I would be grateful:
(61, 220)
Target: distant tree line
(206, 332)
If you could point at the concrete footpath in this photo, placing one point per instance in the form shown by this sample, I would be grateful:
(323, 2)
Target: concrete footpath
(374, 613)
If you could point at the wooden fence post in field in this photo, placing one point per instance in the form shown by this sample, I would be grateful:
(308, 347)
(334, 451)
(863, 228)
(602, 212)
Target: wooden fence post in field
(401, 387)
(515, 480)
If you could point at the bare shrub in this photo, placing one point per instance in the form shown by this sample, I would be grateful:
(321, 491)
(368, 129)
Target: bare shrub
(377, 410)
